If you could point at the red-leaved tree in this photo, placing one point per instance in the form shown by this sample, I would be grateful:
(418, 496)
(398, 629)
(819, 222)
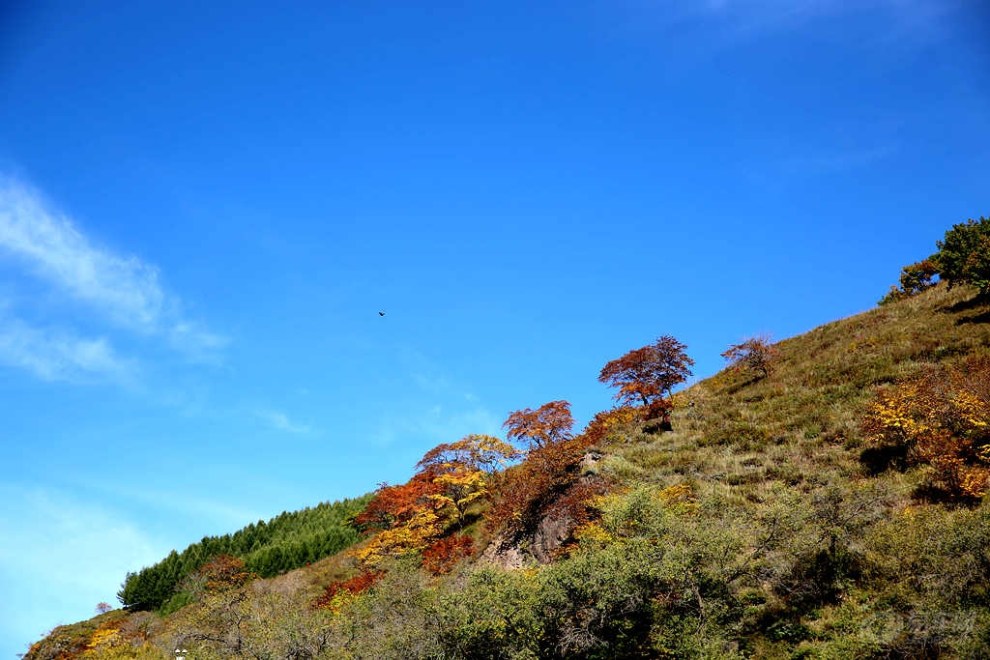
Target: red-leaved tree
(452, 481)
(647, 376)
(549, 424)
(397, 505)
(336, 593)
(756, 355)
(441, 557)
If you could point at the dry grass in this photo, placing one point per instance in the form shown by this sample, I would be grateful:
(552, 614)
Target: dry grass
(800, 427)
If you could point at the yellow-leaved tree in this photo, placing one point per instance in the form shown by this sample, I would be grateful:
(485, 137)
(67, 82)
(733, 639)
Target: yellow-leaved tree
(939, 421)
(451, 477)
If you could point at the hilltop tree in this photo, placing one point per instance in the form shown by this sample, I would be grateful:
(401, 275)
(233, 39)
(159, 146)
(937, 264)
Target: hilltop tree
(549, 424)
(915, 278)
(647, 376)
(963, 256)
(755, 355)
(918, 277)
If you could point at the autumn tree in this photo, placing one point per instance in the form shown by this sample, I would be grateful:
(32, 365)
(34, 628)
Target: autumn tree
(915, 278)
(550, 475)
(451, 477)
(755, 356)
(939, 421)
(606, 422)
(441, 557)
(549, 424)
(224, 572)
(463, 470)
(647, 376)
(408, 527)
(918, 277)
(543, 480)
(398, 504)
(338, 593)
(476, 452)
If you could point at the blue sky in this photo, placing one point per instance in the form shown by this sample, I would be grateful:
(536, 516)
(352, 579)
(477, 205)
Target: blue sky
(203, 207)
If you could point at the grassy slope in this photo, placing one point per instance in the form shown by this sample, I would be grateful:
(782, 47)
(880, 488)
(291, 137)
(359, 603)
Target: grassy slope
(801, 426)
(750, 449)
(745, 446)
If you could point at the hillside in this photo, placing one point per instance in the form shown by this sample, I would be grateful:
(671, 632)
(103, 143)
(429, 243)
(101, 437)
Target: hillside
(285, 542)
(810, 512)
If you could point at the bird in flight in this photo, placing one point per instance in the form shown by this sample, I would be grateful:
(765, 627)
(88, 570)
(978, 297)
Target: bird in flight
(381, 313)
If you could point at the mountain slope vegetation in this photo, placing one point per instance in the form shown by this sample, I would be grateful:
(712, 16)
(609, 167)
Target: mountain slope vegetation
(829, 502)
(288, 541)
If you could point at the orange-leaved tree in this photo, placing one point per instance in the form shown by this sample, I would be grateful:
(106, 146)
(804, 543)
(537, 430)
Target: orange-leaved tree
(338, 593)
(547, 425)
(463, 471)
(549, 475)
(647, 376)
(756, 355)
(915, 278)
(523, 496)
(413, 516)
(393, 506)
(404, 516)
(604, 423)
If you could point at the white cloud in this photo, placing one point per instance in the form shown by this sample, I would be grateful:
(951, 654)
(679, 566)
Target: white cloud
(122, 287)
(123, 291)
(281, 421)
(52, 355)
(195, 341)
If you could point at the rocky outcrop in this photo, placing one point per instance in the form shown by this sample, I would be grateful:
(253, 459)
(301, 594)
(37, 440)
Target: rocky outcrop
(541, 544)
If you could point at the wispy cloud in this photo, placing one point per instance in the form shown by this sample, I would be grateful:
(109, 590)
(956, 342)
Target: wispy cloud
(124, 288)
(121, 291)
(280, 421)
(194, 341)
(52, 355)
